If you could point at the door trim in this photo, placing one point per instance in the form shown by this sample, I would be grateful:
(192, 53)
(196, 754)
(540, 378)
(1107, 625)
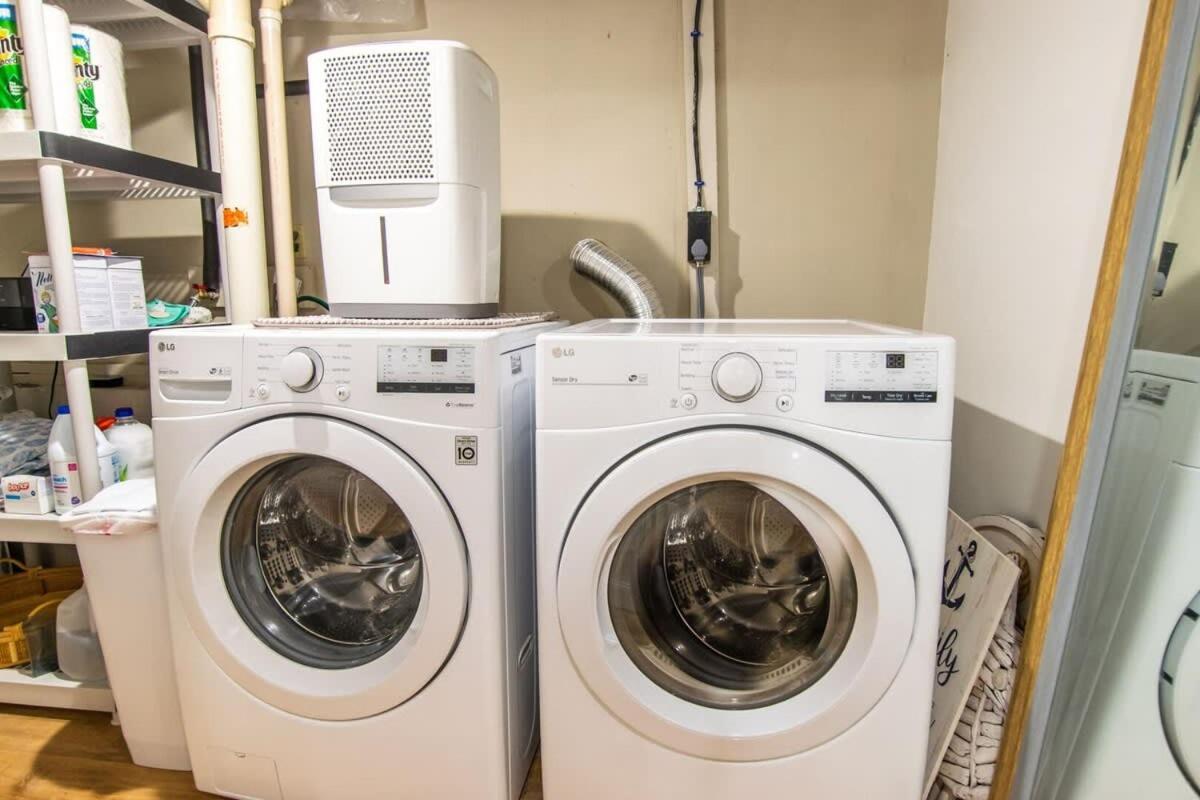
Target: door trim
(194, 547)
(886, 609)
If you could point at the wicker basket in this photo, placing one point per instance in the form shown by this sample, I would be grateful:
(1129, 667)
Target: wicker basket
(34, 591)
(37, 581)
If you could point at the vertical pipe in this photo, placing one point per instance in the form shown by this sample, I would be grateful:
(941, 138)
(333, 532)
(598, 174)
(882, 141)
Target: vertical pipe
(208, 206)
(53, 190)
(232, 35)
(271, 24)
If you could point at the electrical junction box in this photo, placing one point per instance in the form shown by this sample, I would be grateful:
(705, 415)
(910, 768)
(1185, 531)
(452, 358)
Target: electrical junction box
(406, 143)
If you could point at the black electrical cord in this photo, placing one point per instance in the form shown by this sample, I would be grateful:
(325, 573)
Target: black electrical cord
(696, 104)
(50, 403)
(699, 292)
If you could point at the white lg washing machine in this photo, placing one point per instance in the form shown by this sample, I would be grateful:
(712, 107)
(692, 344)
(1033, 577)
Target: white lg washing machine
(741, 529)
(347, 526)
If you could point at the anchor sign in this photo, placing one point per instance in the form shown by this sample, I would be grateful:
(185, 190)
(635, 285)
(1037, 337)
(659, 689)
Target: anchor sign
(965, 559)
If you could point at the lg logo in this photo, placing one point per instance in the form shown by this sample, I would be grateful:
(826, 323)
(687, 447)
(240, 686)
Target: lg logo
(164, 347)
(562, 352)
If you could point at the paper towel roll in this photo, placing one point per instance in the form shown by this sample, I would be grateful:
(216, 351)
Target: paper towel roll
(62, 69)
(14, 101)
(100, 81)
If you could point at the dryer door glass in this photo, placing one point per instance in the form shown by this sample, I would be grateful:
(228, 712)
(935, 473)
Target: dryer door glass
(721, 596)
(321, 563)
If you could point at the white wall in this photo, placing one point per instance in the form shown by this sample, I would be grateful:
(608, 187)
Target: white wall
(1034, 103)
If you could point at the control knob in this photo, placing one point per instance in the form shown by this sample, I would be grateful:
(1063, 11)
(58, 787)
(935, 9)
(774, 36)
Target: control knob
(737, 377)
(301, 369)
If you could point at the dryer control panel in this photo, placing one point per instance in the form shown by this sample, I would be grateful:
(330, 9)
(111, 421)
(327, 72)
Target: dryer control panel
(843, 375)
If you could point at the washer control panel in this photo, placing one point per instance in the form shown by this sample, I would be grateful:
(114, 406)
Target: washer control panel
(421, 369)
(879, 376)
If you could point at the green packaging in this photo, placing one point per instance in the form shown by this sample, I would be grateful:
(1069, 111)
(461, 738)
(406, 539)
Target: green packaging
(12, 72)
(86, 75)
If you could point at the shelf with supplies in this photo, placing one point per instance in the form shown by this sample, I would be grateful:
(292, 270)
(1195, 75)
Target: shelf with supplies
(33, 529)
(34, 346)
(142, 24)
(53, 690)
(96, 171)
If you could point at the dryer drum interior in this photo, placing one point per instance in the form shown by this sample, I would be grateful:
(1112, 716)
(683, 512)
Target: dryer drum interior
(321, 563)
(721, 596)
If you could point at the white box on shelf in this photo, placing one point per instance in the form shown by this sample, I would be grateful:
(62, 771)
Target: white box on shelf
(27, 494)
(127, 292)
(91, 289)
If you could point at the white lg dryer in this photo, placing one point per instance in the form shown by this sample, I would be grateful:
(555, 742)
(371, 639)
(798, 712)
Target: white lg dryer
(347, 526)
(1140, 735)
(741, 529)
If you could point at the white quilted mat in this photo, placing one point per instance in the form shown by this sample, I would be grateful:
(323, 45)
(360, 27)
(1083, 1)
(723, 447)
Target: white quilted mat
(325, 321)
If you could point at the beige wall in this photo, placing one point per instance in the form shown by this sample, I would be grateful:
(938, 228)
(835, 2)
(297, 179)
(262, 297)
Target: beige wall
(827, 132)
(829, 126)
(1033, 109)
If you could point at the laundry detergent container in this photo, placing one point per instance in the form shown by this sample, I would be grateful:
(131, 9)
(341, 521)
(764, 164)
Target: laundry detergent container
(116, 534)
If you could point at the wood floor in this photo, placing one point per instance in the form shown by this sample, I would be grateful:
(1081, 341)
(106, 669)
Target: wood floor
(48, 754)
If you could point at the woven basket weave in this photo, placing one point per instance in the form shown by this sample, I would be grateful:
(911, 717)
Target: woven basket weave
(969, 765)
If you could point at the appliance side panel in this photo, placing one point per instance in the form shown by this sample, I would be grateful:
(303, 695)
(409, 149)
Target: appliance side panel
(516, 386)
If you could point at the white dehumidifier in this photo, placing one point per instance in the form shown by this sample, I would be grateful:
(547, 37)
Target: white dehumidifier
(406, 144)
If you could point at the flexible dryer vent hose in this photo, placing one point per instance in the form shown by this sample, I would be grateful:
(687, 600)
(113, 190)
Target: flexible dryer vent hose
(607, 269)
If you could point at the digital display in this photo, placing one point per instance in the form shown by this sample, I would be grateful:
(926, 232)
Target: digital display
(895, 360)
(438, 355)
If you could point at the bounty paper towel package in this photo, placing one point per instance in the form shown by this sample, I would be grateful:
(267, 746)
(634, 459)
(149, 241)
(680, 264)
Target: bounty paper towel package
(62, 70)
(27, 494)
(100, 82)
(15, 113)
(14, 104)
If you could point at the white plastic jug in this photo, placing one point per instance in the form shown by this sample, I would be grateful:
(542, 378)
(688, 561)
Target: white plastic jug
(64, 467)
(135, 445)
(79, 655)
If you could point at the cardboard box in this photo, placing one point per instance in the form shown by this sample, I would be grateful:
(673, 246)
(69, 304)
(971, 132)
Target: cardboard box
(127, 292)
(27, 494)
(109, 290)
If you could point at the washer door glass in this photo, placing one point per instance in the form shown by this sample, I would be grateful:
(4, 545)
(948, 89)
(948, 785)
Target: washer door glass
(721, 596)
(321, 563)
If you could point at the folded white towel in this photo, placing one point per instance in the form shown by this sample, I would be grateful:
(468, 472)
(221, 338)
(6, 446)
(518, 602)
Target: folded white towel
(125, 507)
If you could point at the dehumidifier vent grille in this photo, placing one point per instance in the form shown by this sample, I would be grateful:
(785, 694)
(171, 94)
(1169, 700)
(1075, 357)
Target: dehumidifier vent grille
(379, 109)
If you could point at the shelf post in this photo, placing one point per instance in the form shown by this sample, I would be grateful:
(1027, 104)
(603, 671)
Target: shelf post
(53, 188)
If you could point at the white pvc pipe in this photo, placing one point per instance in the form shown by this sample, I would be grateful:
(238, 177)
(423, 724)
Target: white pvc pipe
(232, 35)
(57, 222)
(278, 169)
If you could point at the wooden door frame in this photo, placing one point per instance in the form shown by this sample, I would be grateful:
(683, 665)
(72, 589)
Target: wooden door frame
(1091, 372)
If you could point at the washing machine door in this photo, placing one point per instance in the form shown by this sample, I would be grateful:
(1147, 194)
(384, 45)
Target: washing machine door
(736, 594)
(320, 567)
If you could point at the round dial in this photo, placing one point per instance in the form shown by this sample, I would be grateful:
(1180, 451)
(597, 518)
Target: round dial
(301, 369)
(737, 377)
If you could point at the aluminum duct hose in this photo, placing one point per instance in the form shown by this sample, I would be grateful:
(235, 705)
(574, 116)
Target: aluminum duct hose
(607, 269)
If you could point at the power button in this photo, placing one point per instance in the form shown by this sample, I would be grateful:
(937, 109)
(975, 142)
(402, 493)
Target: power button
(688, 401)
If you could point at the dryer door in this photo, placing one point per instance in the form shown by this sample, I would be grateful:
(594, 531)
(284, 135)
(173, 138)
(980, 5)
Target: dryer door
(1179, 694)
(736, 594)
(320, 567)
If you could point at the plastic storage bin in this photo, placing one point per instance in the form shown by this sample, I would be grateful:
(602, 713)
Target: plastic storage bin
(117, 538)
